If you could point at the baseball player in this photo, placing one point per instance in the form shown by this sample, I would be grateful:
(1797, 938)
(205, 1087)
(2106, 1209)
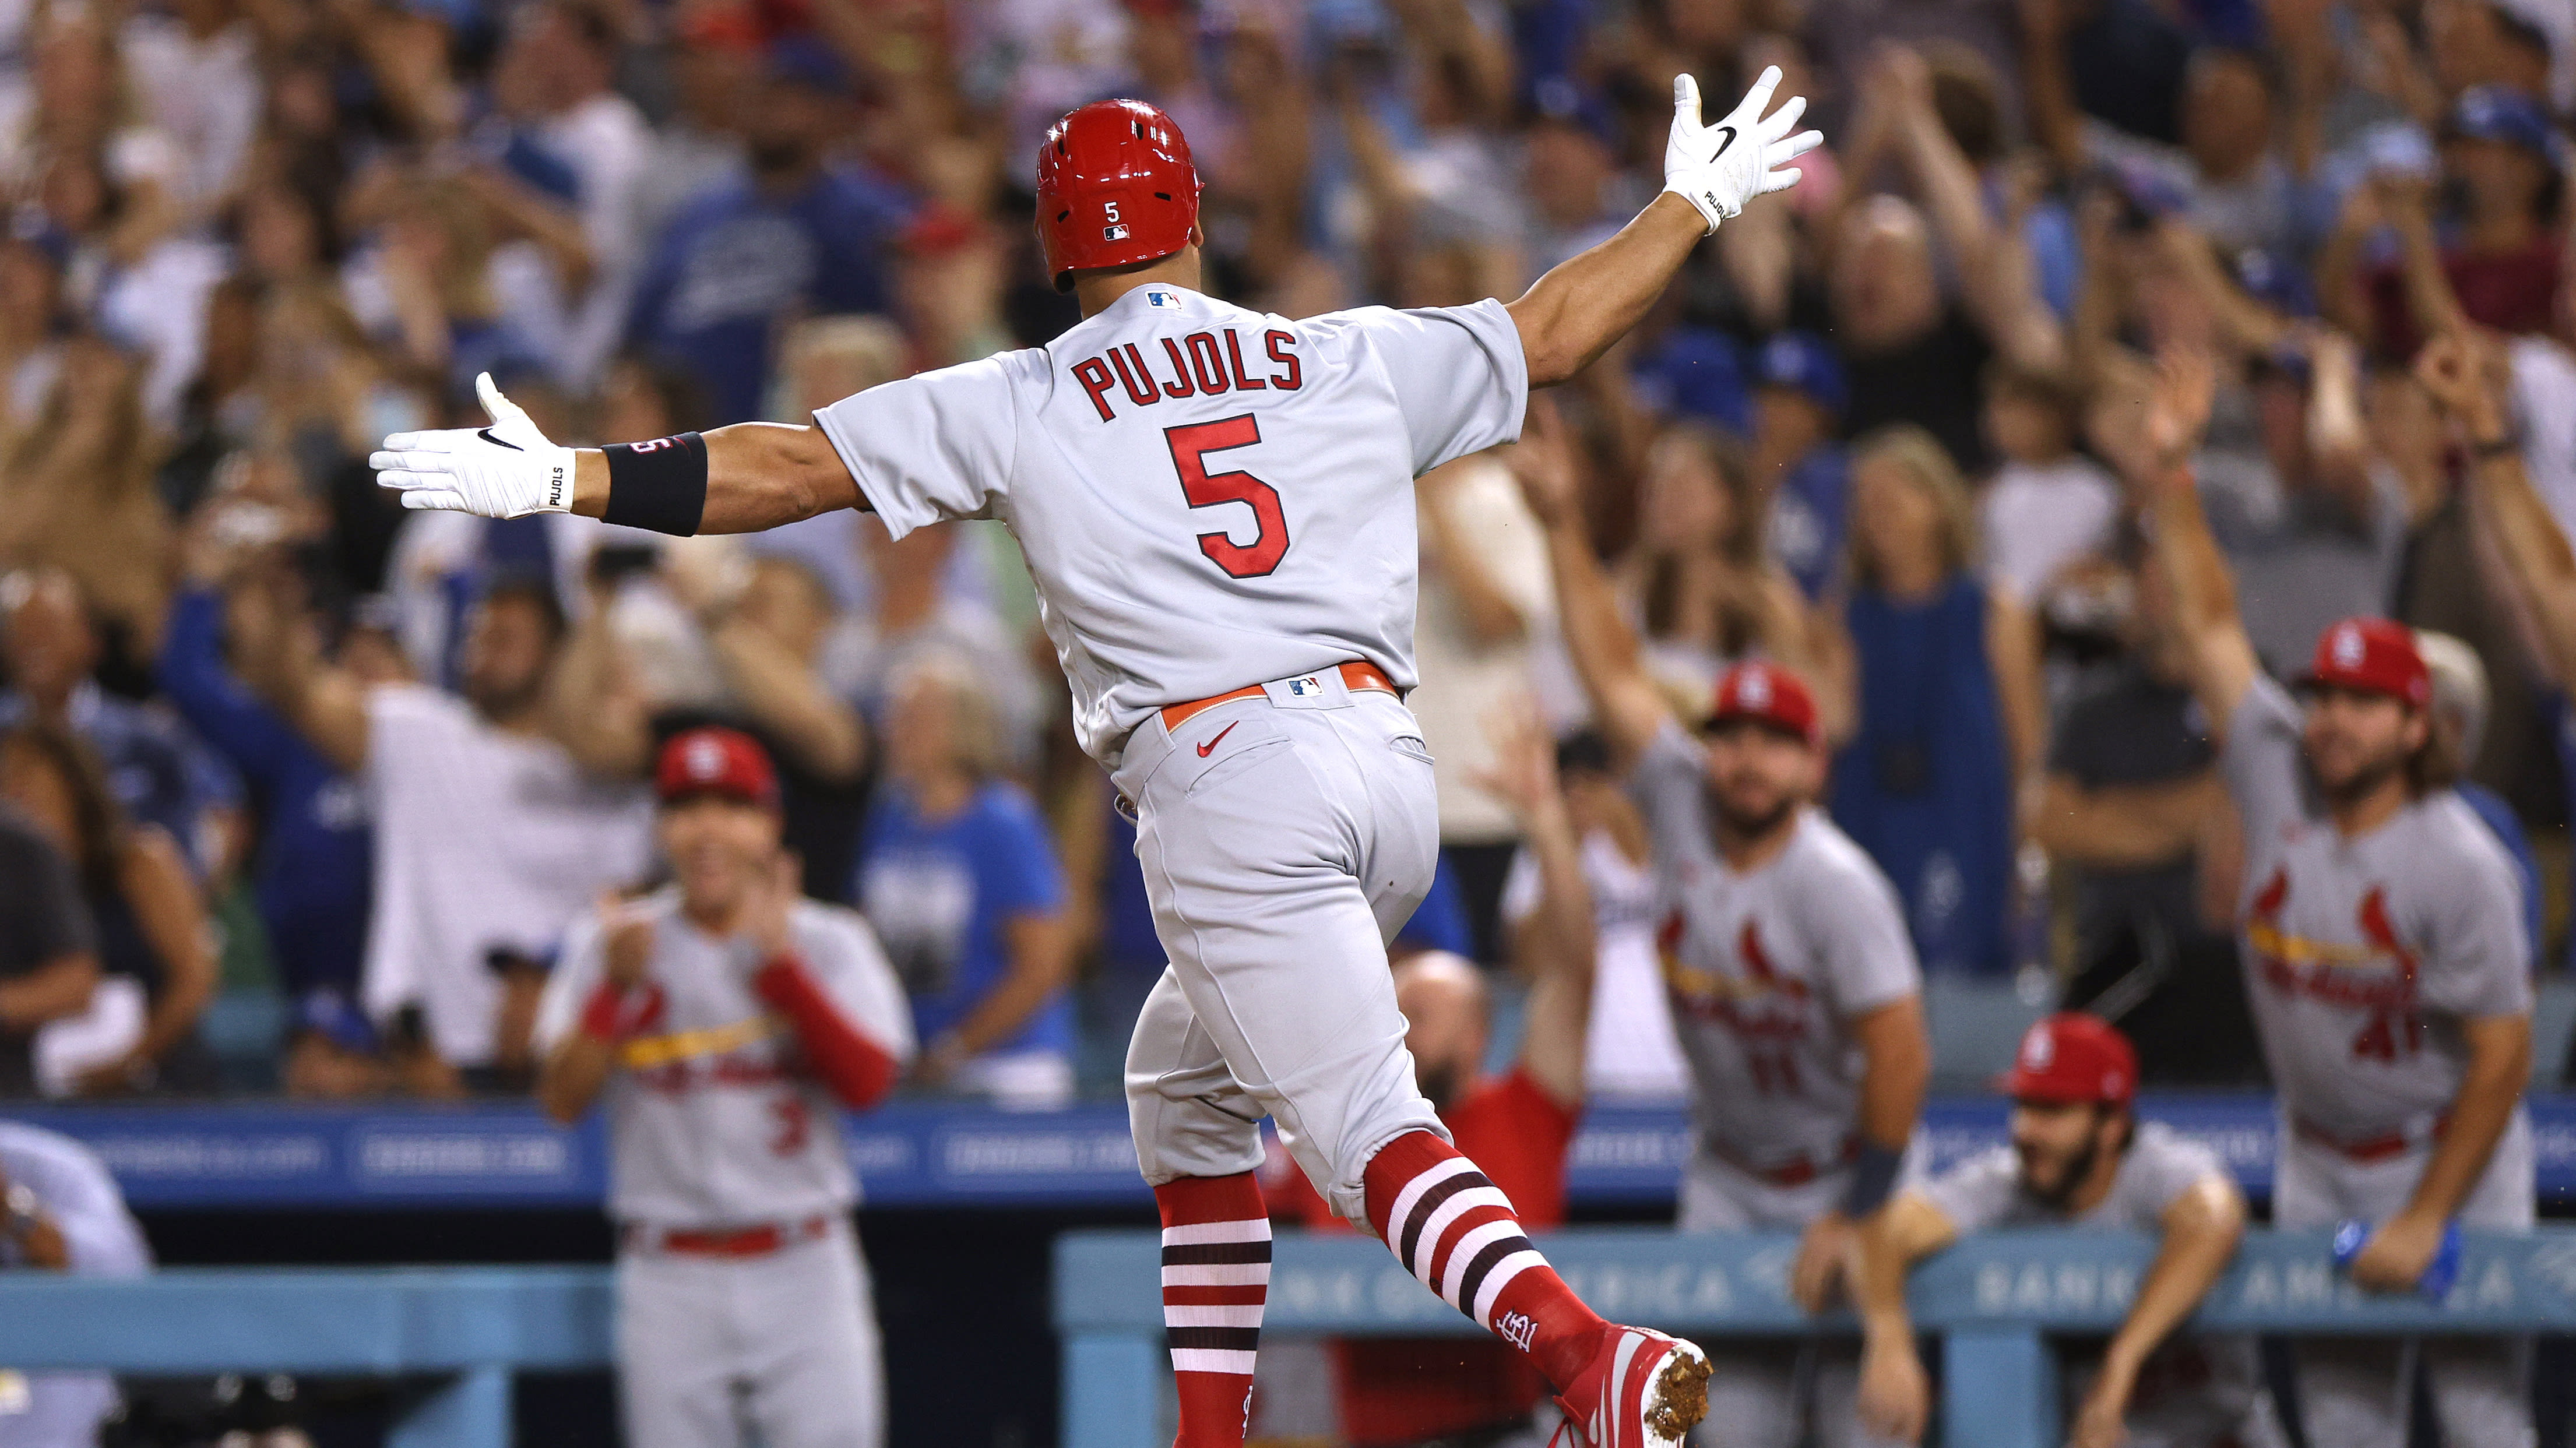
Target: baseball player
(2385, 957)
(2080, 1156)
(728, 1021)
(1793, 982)
(60, 1211)
(1217, 509)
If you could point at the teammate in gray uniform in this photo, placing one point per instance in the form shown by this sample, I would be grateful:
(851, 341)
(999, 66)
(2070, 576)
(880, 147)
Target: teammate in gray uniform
(2386, 960)
(1793, 983)
(1217, 509)
(2079, 1156)
(727, 1022)
(60, 1211)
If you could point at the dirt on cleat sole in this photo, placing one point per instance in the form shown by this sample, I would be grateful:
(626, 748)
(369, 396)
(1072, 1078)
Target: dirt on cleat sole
(1681, 1396)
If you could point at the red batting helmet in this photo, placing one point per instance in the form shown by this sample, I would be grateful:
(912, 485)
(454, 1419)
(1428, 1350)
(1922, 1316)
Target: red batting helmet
(1115, 187)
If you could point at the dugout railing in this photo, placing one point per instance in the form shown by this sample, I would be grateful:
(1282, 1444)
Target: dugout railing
(463, 1331)
(1993, 1300)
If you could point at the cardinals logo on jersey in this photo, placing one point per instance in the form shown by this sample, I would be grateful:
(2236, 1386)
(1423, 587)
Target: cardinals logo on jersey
(1758, 1001)
(2374, 975)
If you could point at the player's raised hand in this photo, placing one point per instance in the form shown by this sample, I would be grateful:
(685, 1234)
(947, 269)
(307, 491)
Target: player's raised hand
(1719, 168)
(1543, 461)
(506, 470)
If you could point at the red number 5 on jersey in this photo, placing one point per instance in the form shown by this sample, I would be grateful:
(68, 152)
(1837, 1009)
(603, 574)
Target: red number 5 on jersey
(1190, 446)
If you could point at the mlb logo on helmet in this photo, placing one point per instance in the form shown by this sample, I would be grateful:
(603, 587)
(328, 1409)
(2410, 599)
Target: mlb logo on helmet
(1113, 233)
(2349, 646)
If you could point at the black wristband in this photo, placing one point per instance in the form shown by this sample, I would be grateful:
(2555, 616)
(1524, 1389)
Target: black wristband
(1874, 1171)
(661, 485)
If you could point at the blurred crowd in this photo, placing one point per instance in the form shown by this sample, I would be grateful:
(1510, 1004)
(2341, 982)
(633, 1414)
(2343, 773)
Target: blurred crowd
(303, 790)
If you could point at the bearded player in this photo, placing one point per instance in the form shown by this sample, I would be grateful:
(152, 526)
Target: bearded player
(2386, 959)
(1793, 983)
(1217, 509)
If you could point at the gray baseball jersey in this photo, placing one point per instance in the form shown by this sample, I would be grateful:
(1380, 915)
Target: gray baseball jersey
(2363, 955)
(1767, 969)
(2195, 1388)
(1207, 496)
(711, 1122)
(1985, 1190)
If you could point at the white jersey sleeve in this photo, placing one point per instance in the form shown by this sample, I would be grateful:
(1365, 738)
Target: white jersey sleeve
(1458, 373)
(843, 955)
(1979, 1192)
(1867, 957)
(937, 446)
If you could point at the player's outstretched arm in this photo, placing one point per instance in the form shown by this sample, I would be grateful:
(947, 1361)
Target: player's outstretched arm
(1573, 314)
(2201, 1230)
(2221, 657)
(738, 479)
(1604, 649)
(1894, 1398)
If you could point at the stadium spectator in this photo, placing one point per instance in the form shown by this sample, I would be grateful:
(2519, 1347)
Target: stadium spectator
(959, 877)
(916, 609)
(60, 1211)
(76, 494)
(2079, 1156)
(2494, 263)
(2312, 530)
(162, 776)
(727, 1022)
(48, 945)
(1946, 708)
(1629, 1051)
(2131, 810)
(2047, 506)
(799, 232)
(1484, 594)
(1912, 354)
(1798, 402)
(500, 815)
(551, 88)
(155, 951)
(1522, 1121)
(313, 871)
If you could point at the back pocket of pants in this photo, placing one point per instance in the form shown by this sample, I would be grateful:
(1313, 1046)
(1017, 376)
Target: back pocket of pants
(1411, 746)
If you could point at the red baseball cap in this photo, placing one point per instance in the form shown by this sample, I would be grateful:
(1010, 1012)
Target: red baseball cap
(715, 760)
(1767, 694)
(2073, 1057)
(2371, 656)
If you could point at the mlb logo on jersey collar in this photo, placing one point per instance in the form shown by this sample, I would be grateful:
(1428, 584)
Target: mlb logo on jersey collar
(1157, 297)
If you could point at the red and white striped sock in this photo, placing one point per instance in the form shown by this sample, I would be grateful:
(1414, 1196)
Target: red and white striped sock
(1457, 1232)
(1216, 1276)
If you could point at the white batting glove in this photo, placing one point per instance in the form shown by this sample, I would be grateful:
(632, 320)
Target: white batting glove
(1719, 168)
(507, 470)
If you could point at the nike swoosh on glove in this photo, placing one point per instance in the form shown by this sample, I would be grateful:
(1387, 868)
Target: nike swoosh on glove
(1719, 168)
(507, 470)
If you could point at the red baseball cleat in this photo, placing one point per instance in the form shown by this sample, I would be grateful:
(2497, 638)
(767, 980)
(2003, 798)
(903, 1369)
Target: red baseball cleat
(1641, 1390)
